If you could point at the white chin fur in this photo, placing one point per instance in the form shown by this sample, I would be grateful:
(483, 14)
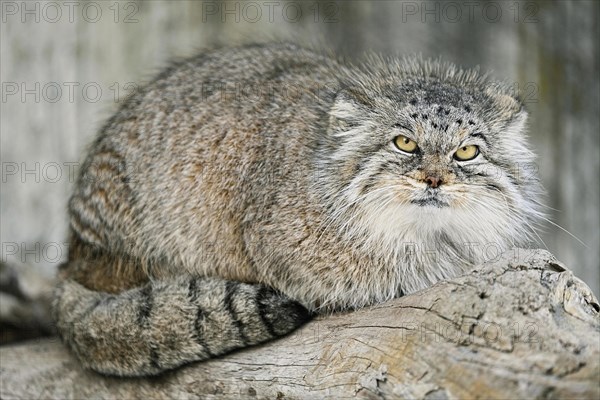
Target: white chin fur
(429, 244)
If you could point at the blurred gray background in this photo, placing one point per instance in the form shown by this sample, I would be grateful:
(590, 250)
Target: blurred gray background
(65, 67)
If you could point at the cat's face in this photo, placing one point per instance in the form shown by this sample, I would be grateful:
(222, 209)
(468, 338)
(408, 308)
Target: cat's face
(427, 159)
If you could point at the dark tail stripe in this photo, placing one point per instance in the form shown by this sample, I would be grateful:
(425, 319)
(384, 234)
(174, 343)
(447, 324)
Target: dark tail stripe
(230, 289)
(193, 290)
(261, 298)
(144, 312)
(200, 316)
(154, 359)
(89, 310)
(146, 304)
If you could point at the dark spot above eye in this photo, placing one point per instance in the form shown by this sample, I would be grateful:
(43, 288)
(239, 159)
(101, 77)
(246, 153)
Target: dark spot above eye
(459, 121)
(434, 125)
(440, 109)
(471, 122)
(413, 102)
(424, 116)
(482, 136)
(467, 109)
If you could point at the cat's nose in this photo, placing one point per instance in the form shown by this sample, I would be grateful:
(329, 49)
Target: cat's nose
(433, 181)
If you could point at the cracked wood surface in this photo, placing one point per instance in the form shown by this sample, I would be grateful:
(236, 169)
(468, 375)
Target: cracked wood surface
(519, 327)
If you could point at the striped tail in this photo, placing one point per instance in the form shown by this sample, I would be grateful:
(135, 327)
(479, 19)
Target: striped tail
(168, 323)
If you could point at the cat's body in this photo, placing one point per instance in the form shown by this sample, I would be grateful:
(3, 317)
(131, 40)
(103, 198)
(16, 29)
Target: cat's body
(278, 166)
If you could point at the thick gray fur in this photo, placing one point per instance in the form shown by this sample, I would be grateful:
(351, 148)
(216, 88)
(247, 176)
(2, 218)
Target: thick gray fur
(276, 165)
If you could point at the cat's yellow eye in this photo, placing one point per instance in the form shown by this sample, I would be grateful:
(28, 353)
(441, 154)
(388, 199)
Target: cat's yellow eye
(405, 144)
(466, 153)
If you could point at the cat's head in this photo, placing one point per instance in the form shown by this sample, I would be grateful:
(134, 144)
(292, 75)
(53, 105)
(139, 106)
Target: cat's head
(426, 149)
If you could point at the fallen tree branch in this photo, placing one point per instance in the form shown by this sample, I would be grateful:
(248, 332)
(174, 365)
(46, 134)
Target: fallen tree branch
(520, 327)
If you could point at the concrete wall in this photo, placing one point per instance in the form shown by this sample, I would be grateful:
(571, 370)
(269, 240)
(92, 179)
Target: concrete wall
(56, 58)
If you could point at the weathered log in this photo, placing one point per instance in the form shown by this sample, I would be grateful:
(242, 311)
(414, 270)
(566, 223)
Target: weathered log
(519, 327)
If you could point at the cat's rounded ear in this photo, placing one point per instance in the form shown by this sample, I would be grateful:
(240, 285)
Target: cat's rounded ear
(504, 99)
(509, 111)
(350, 106)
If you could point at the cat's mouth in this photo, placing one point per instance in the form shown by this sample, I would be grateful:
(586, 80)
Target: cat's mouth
(430, 198)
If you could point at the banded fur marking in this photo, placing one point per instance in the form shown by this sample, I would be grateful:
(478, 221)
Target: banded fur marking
(230, 290)
(86, 313)
(261, 297)
(199, 317)
(143, 317)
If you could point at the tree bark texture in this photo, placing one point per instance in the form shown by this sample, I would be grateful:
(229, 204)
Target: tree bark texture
(521, 326)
